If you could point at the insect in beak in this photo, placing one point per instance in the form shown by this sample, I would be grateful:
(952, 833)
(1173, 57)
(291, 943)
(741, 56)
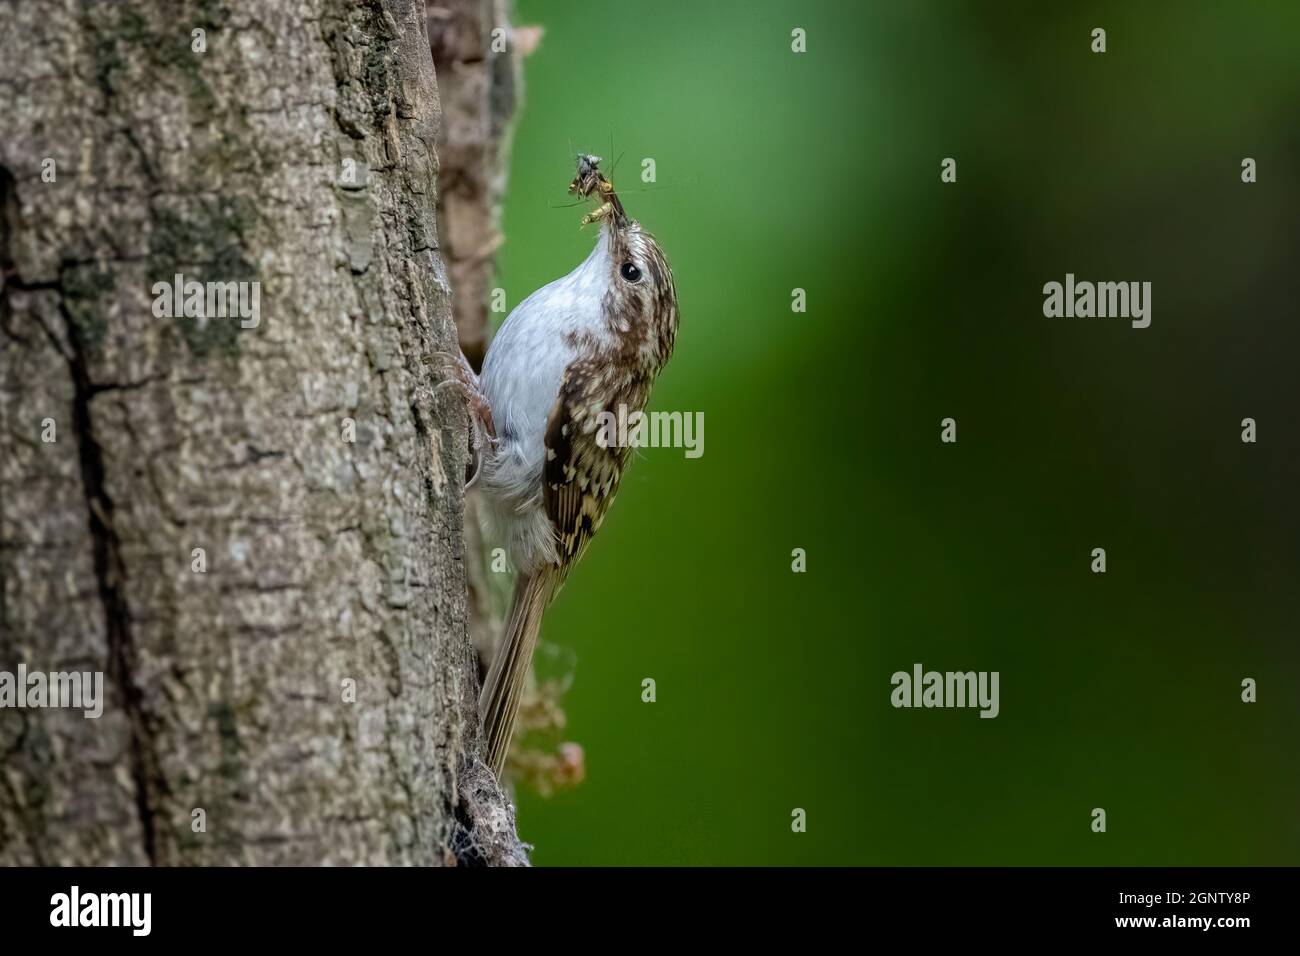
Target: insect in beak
(590, 181)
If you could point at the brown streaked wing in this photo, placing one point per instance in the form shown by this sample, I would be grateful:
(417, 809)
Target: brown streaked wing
(580, 476)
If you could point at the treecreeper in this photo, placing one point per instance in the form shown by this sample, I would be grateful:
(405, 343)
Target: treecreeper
(585, 346)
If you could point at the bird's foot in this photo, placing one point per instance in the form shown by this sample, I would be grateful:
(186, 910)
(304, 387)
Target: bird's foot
(462, 379)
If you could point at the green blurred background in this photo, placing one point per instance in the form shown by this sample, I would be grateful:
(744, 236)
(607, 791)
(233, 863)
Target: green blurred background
(821, 171)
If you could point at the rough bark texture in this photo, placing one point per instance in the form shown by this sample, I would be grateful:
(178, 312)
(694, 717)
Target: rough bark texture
(326, 559)
(480, 89)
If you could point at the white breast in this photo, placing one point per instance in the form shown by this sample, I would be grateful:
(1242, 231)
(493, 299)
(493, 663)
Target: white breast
(521, 379)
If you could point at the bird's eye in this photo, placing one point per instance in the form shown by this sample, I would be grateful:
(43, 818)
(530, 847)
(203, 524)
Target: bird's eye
(630, 272)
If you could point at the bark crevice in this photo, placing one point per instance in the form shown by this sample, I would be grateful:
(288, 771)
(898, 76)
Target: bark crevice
(110, 573)
(106, 556)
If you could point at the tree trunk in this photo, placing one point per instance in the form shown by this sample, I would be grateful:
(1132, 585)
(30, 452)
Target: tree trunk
(252, 528)
(480, 87)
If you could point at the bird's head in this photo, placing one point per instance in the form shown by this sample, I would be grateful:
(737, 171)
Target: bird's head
(640, 301)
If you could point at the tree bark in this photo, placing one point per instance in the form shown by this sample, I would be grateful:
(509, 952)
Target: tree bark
(295, 151)
(480, 89)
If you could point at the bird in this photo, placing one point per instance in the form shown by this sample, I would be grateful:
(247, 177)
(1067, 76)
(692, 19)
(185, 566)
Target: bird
(581, 348)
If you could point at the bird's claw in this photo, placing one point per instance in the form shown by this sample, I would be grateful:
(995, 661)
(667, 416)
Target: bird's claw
(463, 380)
(483, 429)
